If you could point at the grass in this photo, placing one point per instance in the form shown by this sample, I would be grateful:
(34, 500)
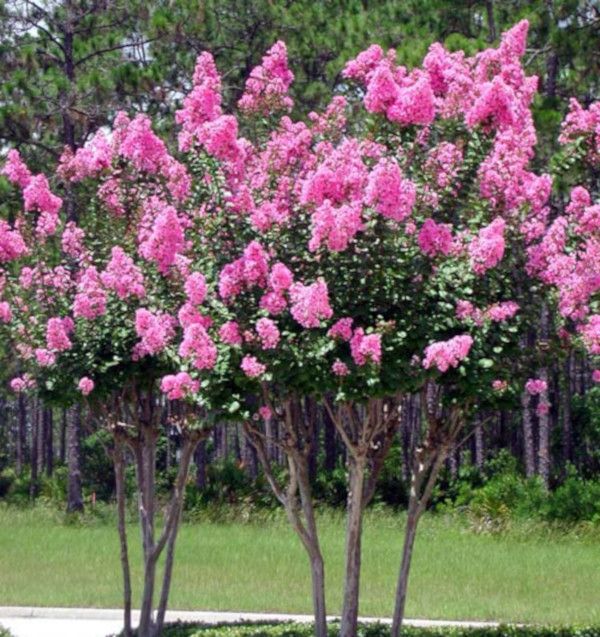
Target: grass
(516, 576)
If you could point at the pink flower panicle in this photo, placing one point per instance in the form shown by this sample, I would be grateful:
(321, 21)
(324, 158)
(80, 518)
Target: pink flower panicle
(536, 386)
(123, 276)
(446, 354)
(178, 386)
(156, 331)
(487, 248)
(199, 346)
(268, 333)
(252, 367)
(389, 193)
(266, 88)
(85, 385)
(365, 348)
(310, 303)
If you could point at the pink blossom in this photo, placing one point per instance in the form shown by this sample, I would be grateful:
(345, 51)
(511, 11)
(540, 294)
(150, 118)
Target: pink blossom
(90, 300)
(85, 385)
(198, 345)
(44, 357)
(500, 312)
(310, 303)
(16, 170)
(266, 88)
(88, 161)
(165, 238)
(280, 277)
(188, 314)
(177, 386)
(341, 329)
(156, 330)
(57, 334)
(364, 64)
(12, 245)
(5, 312)
(435, 238)
(123, 276)
(252, 367)
(273, 302)
(335, 226)
(415, 102)
(229, 333)
(195, 288)
(365, 348)
(388, 192)
(535, 386)
(487, 249)
(499, 386)
(142, 147)
(72, 240)
(265, 412)
(339, 368)
(22, 383)
(38, 197)
(596, 375)
(446, 354)
(268, 333)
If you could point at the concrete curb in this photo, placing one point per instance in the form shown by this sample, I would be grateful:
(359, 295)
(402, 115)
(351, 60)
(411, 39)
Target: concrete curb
(208, 617)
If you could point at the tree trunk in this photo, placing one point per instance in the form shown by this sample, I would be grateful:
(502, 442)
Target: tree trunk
(201, 460)
(62, 450)
(48, 441)
(329, 441)
(567, 429)
(528, 444)
(410, 534)
(74, 492)
(349, 620)
(119, 465)
(544, 434)
(21, 447)
(35, 448)
(489, 7)
(479, 447)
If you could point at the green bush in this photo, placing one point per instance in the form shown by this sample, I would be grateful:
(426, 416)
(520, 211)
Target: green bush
(576, 500)
(7, 477)
(371, 630)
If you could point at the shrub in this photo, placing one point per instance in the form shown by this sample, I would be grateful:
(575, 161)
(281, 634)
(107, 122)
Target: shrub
(371, 630)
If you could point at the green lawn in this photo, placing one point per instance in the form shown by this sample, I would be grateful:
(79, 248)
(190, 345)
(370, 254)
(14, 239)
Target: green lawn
(456, 574)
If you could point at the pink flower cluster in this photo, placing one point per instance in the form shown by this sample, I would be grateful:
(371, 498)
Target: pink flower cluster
(162, 235)
(85, 385)
(90, 300)
(12, 245)
(16, 170)
(195, 288)
(252, 367)
(251, 269)
(536, 386)
(266, 88)
(310, 303)
(497, 312)
(57, 333)
(268, 333)
(178, 386)
(446, 354)
(88, 161)
(487, 248)
(389, 193)
(435, 238)
(365, 348)
(156, 331)
(199, 346)
(341, 329)
(123, 276)
(336, 226)
(583, 123)
(229, 333)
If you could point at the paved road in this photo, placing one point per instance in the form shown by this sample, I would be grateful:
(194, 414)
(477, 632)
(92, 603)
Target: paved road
(96, 622)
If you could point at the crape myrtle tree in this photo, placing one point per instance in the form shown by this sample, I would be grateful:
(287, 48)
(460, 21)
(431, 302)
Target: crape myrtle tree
(115, 310)
(378, 250)
(567, 256)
